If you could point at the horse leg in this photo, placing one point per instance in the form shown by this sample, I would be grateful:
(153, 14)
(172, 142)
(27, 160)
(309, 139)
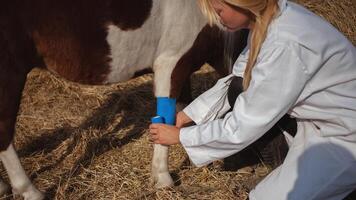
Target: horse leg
(20, 182)
(163, 68)
(185, 96)
(172, 79)
(160, 172)
(18, 56)
(191, 61)
(211, 46)
(8, 108)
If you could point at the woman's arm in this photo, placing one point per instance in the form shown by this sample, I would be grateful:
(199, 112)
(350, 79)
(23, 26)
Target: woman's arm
(182, 119)
(211, 104)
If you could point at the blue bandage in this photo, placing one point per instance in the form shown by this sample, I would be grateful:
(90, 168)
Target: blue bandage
(166, 108)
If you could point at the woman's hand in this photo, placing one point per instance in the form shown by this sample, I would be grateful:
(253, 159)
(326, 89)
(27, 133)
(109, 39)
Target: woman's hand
(182, 119)
(164, 134)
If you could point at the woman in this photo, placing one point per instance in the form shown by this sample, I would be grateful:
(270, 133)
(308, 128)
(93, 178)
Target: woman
(295, 63)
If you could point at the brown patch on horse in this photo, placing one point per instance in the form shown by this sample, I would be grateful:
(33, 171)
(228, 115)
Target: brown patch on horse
(70, 36)
(207, 48)
(83, 60)
(130, 14)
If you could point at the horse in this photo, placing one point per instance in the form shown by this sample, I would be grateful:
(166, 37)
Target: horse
(100, 42)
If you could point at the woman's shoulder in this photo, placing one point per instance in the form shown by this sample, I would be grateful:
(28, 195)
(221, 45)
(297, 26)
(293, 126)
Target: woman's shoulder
(298, 24)
(299, 29)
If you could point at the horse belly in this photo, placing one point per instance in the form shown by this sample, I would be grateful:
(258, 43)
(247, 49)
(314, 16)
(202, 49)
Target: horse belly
(74, 60)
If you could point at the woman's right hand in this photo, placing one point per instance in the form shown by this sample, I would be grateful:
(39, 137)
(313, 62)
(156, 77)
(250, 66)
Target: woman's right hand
(182, 119)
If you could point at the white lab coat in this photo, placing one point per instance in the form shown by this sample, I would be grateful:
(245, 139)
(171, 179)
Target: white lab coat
(305, 68)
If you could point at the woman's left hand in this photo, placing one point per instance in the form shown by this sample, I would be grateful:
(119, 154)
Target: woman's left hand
(164, 134)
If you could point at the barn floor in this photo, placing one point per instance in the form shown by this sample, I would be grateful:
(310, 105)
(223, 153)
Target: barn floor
(84, 142)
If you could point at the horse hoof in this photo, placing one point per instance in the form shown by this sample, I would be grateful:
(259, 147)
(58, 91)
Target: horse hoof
(163, 180)
(33, 194)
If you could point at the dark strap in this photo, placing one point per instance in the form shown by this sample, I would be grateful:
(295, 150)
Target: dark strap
(234, 90)
(288, 124)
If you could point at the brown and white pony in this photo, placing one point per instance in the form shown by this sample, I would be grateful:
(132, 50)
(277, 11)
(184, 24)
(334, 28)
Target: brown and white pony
(101, 42)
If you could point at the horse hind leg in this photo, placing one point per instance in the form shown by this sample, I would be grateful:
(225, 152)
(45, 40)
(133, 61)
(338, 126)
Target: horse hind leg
(11, 162)
(20, 182)
(9, 103)
(17, 57)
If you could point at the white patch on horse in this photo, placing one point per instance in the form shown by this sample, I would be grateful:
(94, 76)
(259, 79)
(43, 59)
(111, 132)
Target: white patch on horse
(20, 182)
(133, 50)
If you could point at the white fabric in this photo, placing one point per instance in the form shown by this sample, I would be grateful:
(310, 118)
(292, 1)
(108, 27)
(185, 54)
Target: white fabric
(306, 68)
(316, 168)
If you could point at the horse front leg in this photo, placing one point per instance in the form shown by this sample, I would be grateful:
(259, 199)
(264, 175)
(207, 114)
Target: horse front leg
(20, 182)
(17, 57)
(10, 98)
(166, 109)
(171, 81)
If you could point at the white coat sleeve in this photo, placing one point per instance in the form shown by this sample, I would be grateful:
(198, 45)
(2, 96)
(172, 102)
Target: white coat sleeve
(211, 104)
(277, 81)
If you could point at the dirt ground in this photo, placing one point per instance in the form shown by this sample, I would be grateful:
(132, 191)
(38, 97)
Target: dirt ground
(91, 142)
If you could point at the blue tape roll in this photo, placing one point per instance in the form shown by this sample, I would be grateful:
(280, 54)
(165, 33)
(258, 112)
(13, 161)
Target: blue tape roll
(166, 108)
(157, 120)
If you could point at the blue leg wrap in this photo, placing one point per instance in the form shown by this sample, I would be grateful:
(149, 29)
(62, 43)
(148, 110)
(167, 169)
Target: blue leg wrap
(166, 111)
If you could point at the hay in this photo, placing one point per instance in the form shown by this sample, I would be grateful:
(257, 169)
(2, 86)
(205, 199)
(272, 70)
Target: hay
(85, 142)
(340, 13)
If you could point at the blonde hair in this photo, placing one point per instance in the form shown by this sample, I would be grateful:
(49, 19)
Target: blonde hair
(263, 11)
